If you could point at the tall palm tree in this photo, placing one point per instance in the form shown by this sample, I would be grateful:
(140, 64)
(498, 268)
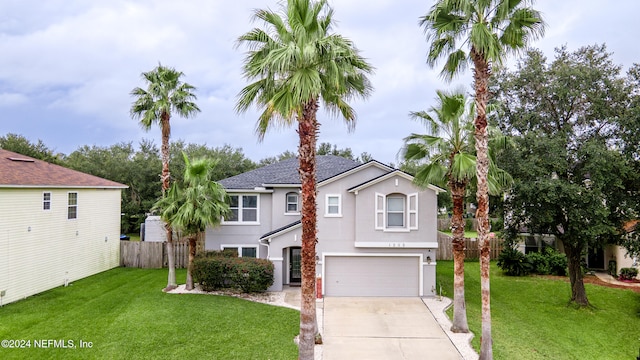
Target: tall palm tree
(192, 206)
(292, 65)
(481, 32)
(449, 152)
(165, 94)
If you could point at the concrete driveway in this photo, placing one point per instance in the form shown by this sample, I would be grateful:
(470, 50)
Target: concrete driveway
(382, 328)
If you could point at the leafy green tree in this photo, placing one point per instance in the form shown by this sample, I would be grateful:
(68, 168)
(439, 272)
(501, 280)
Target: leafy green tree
(570, 181)
(445, 156)
(287, 154)
(481, 32)
(193, 205)
(165, 94)
(231, 161)
(293, 65)
(21, 145)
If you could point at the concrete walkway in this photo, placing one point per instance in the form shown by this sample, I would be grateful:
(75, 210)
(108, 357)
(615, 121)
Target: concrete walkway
(383, 328)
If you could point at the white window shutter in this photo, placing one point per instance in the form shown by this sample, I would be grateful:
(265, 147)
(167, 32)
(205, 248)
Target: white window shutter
(380, 205)
(413, 211)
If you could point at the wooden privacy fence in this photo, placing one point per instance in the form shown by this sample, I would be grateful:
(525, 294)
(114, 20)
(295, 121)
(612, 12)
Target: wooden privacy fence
(151, 255)
(445, 248)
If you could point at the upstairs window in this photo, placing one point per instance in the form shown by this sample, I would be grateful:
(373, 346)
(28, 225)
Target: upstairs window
(46, 201)
(396, 212)
(292, 206)
(333, 206)
(242, 208)
(72, 207)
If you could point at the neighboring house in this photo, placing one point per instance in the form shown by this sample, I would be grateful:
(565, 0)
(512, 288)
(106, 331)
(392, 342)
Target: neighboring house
(56, 225)
(377, 232)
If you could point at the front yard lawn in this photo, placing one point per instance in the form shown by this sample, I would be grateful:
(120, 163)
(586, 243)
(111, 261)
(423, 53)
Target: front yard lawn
(531, 319)
(124, 315)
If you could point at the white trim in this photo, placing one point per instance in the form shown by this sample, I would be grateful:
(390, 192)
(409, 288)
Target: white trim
(77, 205)
(326, 205)
(282, 185)
(419, 256)
(240, 247)
(397, 244)
(414, 212)
(50, 201)
(240, 208)
(286, 203)
(380, 213)
(390, 175)
(248, 191)
(354, 170)
(276, 259)
(282, 232)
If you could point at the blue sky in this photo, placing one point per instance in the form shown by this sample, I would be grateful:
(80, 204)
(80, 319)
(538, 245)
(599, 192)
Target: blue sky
(67, 67)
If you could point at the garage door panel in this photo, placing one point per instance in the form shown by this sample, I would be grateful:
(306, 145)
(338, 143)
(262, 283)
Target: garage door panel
(372, 276)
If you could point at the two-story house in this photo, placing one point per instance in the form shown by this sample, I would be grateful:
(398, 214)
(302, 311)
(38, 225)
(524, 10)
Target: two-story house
(377, 232)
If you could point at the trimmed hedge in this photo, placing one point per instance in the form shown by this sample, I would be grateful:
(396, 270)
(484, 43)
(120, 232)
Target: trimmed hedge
(219, 270)
(628, 273)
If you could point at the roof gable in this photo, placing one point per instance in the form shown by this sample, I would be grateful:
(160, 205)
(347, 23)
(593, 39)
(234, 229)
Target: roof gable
(18, 170)
(285, 172)
(389, 175)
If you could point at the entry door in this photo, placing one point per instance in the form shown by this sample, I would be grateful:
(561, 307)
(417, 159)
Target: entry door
(596, 258)
(295, 259)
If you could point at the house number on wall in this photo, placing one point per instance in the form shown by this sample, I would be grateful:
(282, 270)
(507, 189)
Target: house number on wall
(397, 244)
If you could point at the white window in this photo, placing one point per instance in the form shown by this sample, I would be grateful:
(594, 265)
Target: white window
(46, 201)
(242, 209)
(292, 203)
(333, 206)
(243, 250)
(396, 212)
(72, 209)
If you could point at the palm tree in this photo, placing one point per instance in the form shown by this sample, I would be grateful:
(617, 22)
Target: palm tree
(448, 150)
(194, 205)
(292, 66)
(165, 94)
(482, 32)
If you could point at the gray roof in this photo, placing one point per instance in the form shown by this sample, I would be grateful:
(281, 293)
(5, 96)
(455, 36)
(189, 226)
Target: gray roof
(286, 172)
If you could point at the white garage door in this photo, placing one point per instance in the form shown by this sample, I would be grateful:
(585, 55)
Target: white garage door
(372, 276)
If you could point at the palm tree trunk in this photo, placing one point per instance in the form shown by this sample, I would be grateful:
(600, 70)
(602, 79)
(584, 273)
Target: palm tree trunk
(166, 133)
(192, 254)
(457, 230)
(307, 131)
(481, 73)
(578, 292)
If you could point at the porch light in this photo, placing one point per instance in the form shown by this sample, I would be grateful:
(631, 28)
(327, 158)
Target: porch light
(428, 259)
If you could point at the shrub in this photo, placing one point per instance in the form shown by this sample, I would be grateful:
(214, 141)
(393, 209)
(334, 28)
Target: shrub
(557, 262)
(468, 224)
(548, 262)
(628, 273)
(227, 253)
(539, 263)
(220, 271)
(497, 225)
(513, 262)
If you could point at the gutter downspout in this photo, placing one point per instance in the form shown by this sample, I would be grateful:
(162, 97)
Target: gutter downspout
(268, 240)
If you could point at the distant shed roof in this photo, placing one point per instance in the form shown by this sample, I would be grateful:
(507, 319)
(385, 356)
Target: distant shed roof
(18, 170)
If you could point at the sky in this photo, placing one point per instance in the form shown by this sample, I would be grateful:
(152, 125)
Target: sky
(67, 67)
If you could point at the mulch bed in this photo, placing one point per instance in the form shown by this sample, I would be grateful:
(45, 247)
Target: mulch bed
(592, 279)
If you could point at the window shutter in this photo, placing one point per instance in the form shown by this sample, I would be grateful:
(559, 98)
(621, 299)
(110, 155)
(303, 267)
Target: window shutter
(380, 204)
(413, 211)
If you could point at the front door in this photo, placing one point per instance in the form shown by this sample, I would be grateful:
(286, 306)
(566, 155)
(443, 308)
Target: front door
(595, 258)
(295, 259)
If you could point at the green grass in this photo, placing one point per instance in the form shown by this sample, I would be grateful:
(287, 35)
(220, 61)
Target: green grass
(134, 236)
(467, 234)
(531, 318)
(125, 315)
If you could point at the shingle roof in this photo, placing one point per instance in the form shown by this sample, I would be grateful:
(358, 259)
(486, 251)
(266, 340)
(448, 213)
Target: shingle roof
(288, 226)
(18, 170)
(286, 172)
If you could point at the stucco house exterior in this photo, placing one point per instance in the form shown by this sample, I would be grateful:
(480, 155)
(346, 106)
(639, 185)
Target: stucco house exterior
(377, 232)
(56, 225)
